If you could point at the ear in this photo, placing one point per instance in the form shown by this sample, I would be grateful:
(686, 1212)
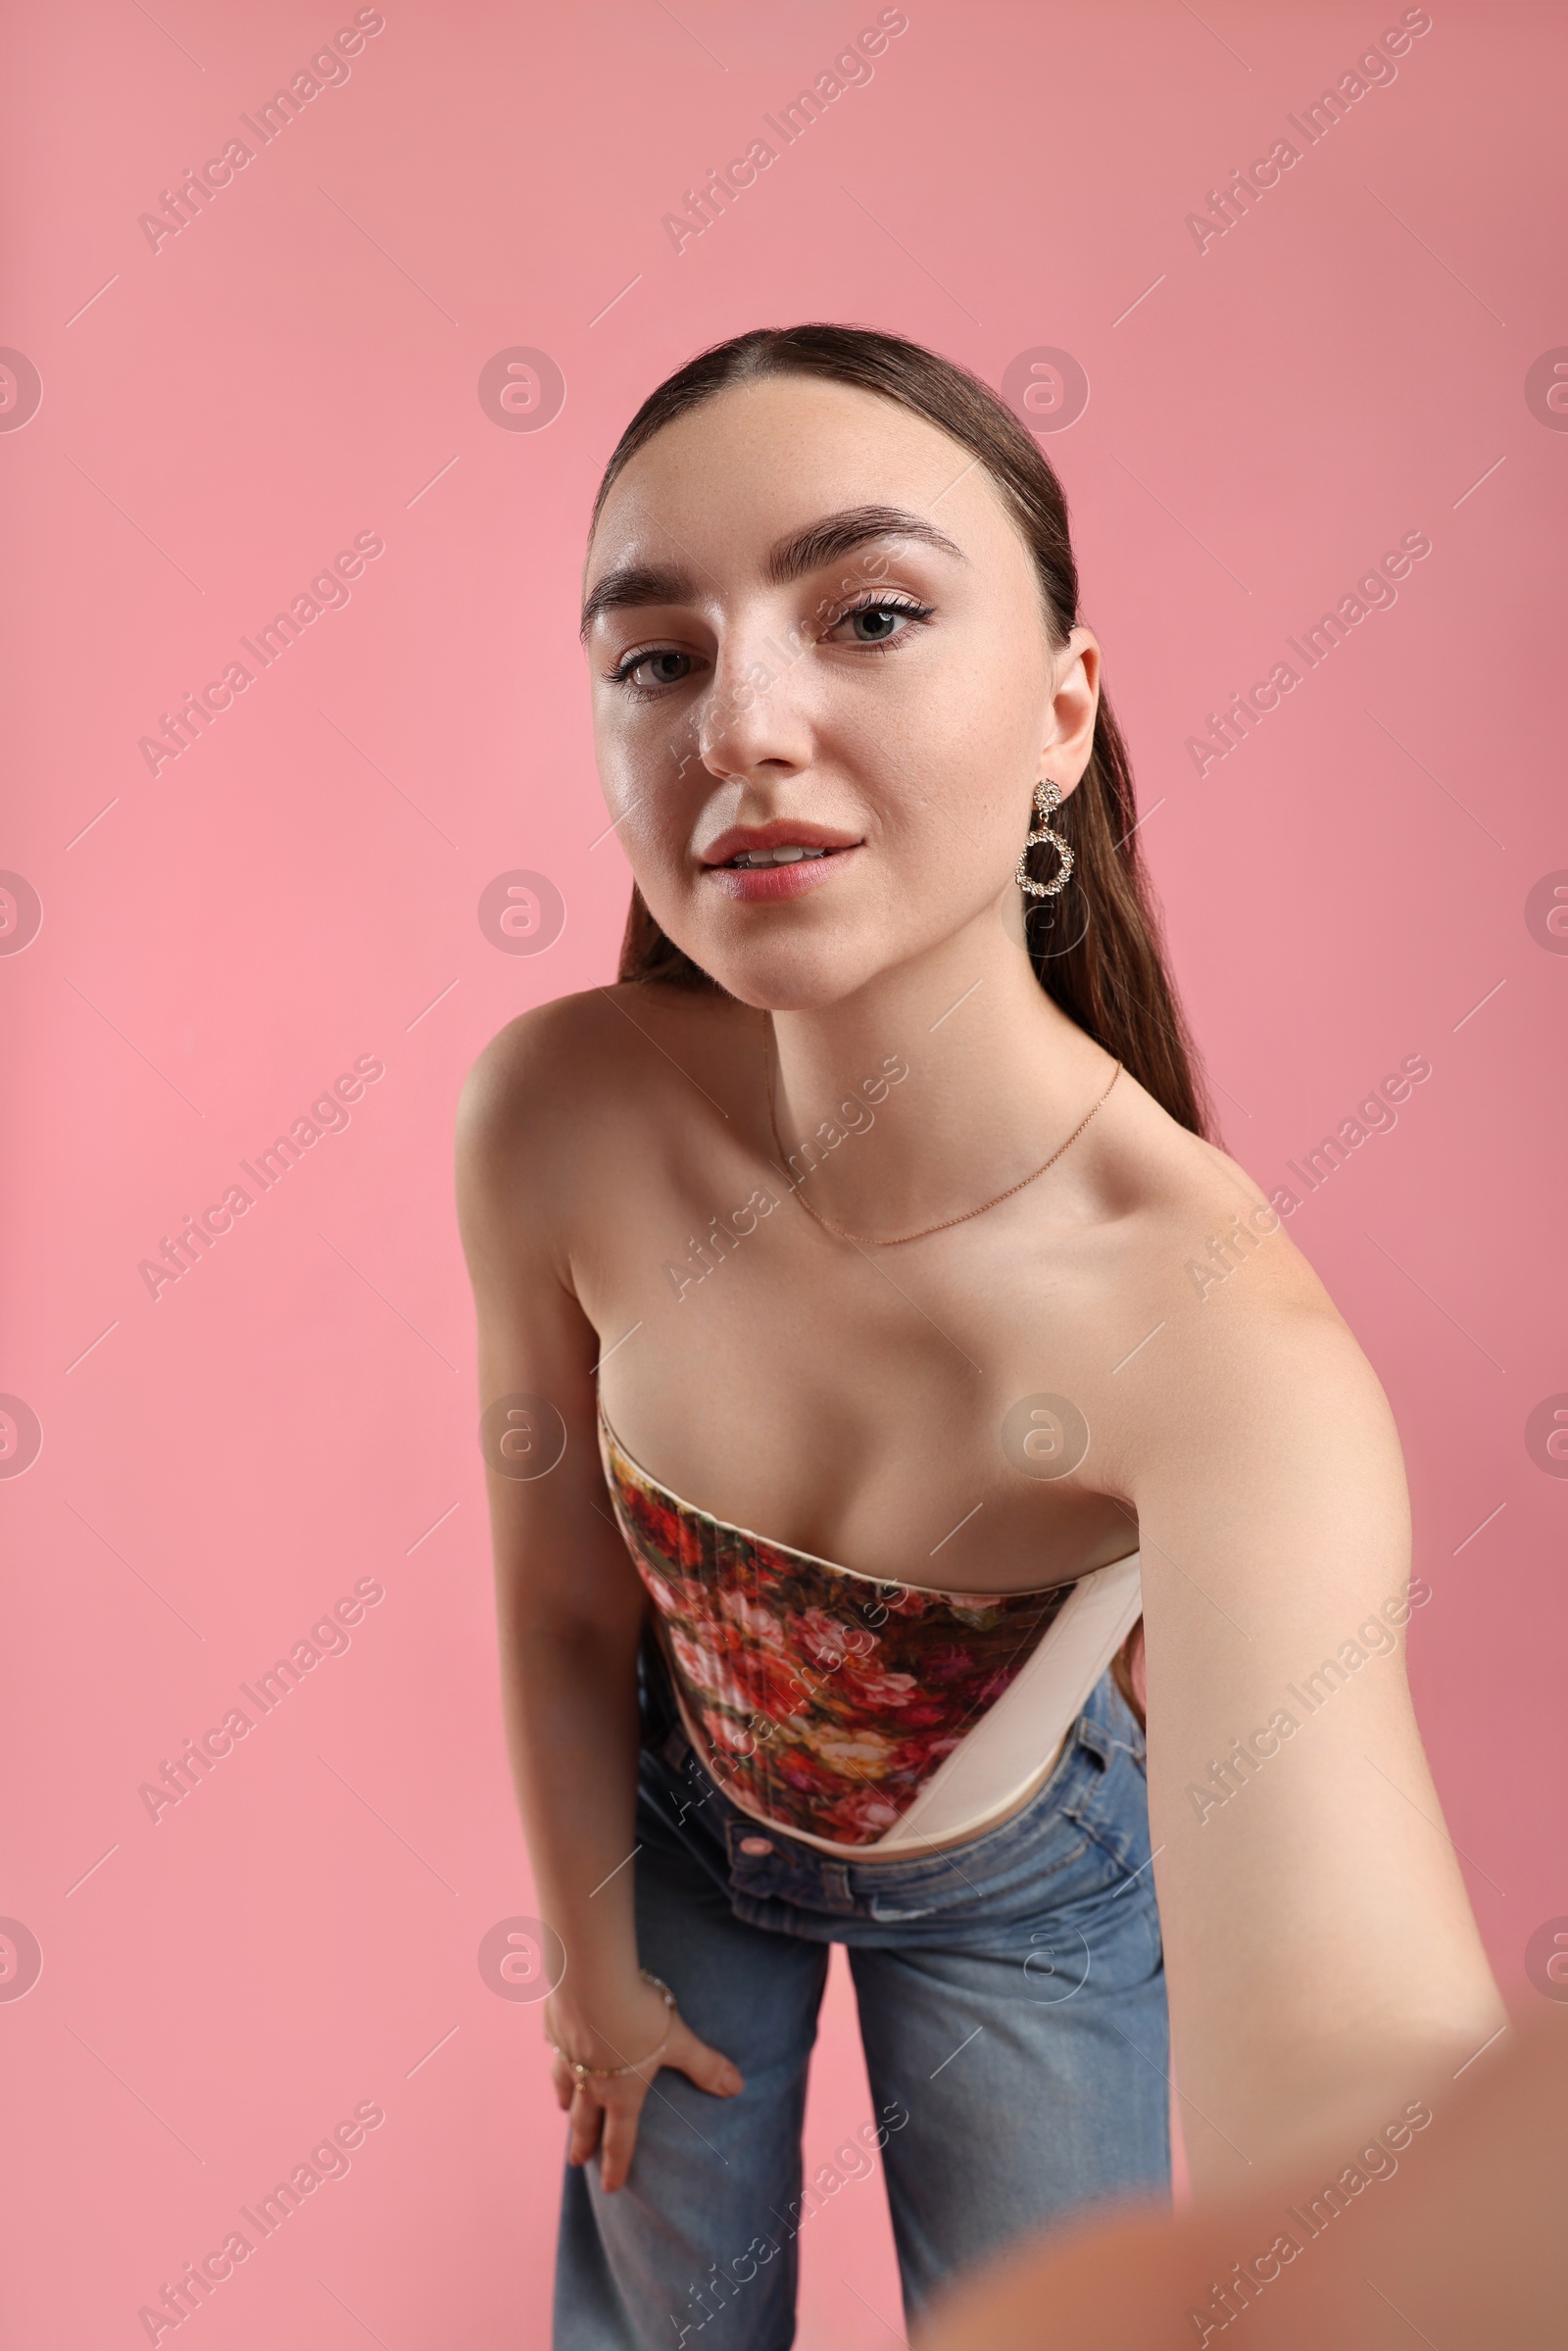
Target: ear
(1074, 701)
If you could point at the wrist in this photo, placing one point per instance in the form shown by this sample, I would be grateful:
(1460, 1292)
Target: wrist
(621, 2029)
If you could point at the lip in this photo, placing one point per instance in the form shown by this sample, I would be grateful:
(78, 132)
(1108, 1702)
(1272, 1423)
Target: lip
(764, 882)
(780, 832)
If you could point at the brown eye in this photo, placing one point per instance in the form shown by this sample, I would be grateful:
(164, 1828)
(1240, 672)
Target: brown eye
(666, 668)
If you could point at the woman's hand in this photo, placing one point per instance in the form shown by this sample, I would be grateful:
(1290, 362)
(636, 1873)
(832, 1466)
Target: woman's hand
(605, 2111)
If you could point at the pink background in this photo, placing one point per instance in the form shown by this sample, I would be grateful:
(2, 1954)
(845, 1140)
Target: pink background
(300, 888)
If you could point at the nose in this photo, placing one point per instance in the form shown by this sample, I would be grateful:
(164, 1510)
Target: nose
(751, 724)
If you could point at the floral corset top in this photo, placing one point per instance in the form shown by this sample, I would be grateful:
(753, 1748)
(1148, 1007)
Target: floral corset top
(822, 1700)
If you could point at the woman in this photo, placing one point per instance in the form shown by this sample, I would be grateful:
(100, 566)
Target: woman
(849, 1284)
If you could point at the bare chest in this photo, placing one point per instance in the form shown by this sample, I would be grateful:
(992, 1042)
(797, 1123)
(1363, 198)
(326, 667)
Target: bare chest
(943, 1414)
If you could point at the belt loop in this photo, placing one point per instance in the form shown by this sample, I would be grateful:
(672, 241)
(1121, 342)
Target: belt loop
(1096, 1738)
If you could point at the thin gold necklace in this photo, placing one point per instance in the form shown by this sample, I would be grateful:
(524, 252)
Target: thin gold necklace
(897, 1239)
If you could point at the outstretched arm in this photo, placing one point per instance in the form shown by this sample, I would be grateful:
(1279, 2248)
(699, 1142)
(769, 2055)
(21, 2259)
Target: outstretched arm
(1319, 1943)
(1450, 2231)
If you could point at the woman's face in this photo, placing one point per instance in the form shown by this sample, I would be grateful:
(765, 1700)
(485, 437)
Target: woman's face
(813, 626)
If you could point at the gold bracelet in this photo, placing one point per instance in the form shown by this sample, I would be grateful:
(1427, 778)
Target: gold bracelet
(602, 2073)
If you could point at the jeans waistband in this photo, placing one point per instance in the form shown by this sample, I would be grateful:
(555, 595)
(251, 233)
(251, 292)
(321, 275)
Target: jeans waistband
(759, 1858)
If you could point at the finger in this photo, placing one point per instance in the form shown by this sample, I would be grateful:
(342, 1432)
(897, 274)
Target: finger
(586, 2117)
(566, 2085)
(709, 2068)
(621, 2138)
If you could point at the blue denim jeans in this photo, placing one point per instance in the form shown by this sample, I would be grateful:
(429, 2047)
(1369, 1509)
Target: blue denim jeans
(1011, 1999)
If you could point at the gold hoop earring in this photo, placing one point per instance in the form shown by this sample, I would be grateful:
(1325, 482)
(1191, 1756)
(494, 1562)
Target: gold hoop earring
(1047, 800)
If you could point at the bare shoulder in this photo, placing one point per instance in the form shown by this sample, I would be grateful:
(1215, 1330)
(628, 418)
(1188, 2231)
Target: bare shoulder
(537, 1061)
(555, 1068)
(565, 1097)
(1253, 1358)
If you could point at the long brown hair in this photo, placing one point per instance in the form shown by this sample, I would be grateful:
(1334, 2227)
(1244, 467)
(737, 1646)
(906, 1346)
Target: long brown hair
(1097, 952)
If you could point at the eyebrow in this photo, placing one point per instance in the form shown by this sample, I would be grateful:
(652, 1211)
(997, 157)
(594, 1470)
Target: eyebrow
(788, 558)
